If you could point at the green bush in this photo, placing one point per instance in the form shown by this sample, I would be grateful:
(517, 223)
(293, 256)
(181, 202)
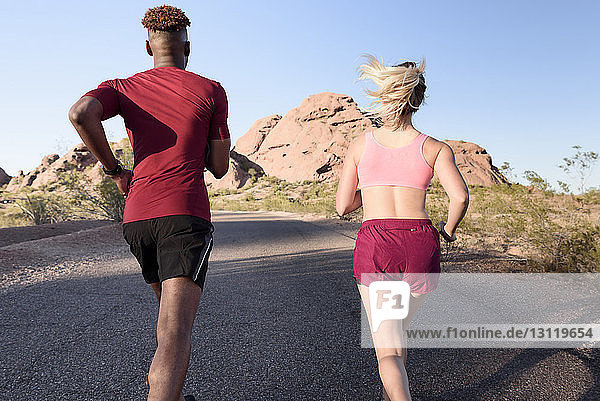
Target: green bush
(536, 180)
(576, 250)
(102, 200)
(41, 209)
(592, 196)
(109, 200)
(253, 176)
(579, 166)
(13, 219)
(551, 228)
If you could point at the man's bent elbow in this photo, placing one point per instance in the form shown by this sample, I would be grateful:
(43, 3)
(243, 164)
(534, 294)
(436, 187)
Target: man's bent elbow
(76, 115)
(79, 113)
(220, 172)
(85, 109)
(219, 175)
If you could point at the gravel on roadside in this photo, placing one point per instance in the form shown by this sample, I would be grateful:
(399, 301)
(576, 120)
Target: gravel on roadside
(33, 261)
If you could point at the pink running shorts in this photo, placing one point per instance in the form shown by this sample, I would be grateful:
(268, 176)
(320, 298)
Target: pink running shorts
(402, 249)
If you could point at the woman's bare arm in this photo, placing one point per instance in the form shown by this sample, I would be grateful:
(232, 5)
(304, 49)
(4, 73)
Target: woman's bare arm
(348, 198)
(454, 185)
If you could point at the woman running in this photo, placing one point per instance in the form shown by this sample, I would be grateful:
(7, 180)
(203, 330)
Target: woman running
(393, 166)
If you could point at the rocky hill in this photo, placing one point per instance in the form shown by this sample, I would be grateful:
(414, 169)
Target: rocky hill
(79, 158)
(475, 164)
(308, 143)
(240, 168)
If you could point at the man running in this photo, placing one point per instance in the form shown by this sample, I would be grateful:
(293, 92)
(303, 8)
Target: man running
(173, 119)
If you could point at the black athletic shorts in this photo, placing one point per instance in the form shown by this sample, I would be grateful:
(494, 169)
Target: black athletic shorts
(171, 246)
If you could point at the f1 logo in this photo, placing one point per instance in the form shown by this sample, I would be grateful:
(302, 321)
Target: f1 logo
(388, 300)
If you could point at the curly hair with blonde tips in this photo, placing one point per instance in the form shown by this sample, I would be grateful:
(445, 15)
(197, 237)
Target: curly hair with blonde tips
(400, 88)
(165, 18)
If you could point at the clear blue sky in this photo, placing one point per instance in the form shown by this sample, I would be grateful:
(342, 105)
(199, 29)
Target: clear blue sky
(519, 78)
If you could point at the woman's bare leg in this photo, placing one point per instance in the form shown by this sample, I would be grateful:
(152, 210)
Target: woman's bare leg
(392, 359)
(416, 300)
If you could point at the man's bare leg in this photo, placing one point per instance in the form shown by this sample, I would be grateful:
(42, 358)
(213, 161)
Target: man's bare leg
(157, 288)
(179, 299)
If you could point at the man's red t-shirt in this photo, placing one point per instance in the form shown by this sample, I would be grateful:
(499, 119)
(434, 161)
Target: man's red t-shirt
(169, 114)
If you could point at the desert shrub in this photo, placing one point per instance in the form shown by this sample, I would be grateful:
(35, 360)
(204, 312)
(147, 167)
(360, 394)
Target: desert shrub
(109, 200)
(281, 196)
(315, 191)
(253, 175)
(551, 229)
(102, 200)
(536, 180)
(438, 211)
(13, 219)
(272, 179)
(592, 196)
(126, 157)
(508, 171)
(221, 192)
(229, 204)
(579, 249)
(41, 208)
(564, 187)
(278, 202)
(575, 250)
(579, 166)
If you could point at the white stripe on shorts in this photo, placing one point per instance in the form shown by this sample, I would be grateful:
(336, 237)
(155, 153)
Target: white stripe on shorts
(207, 248)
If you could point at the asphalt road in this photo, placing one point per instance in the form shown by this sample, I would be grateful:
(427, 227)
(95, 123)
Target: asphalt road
(279, 320)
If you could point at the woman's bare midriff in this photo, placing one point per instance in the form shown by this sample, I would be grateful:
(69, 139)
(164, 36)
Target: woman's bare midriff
(386, 202)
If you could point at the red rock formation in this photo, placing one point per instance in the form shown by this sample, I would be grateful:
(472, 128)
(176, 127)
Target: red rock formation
(475, 164)
(251, 141)
(309, 142)
(52, 165)
(237, 175)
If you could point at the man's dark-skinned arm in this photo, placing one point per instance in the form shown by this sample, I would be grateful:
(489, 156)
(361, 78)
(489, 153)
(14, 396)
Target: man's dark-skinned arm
(217, 161)
(86, 117)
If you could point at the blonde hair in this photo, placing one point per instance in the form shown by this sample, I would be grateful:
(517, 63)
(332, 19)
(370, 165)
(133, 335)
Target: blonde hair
(401, 88)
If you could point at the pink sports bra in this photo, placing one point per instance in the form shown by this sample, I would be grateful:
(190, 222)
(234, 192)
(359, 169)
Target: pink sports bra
(403, 167)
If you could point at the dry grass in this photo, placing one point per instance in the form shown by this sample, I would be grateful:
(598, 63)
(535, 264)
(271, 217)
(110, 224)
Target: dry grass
(270, 193)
